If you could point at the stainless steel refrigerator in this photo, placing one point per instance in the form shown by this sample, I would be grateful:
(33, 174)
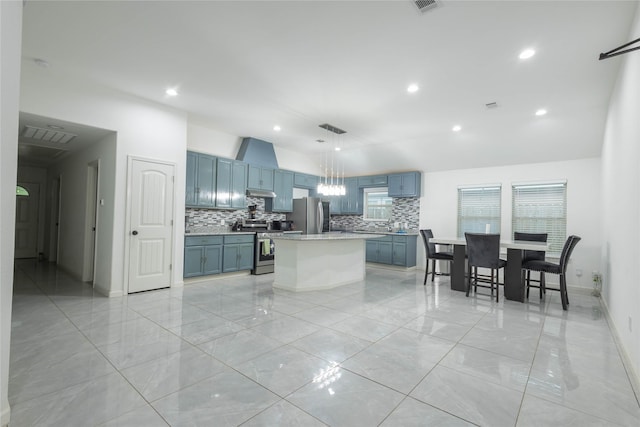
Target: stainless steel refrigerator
(310, 215)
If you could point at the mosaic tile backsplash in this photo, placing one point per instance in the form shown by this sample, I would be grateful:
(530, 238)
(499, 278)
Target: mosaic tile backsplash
(198, 218)
(404, 210)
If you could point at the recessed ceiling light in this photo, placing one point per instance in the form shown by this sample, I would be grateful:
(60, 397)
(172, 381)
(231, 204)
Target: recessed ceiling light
(527, 53)
(337, 148)
(412, 88)
(277, 128)
(456, 128)
(541, 112)
(171, 92)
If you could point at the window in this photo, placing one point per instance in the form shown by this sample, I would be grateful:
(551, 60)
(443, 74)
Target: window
(541, 208)
(477, 207)
(377, 204)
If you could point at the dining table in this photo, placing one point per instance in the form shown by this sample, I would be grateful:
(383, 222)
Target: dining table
(514, 288)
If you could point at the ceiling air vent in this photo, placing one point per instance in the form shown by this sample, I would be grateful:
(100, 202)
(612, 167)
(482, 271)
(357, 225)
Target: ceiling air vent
(426, 5)
(49, 135)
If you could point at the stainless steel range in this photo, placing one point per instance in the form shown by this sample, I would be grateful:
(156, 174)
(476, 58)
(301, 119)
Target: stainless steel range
(264, 248)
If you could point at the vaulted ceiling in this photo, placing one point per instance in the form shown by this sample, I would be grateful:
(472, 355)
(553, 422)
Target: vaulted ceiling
(245, 66)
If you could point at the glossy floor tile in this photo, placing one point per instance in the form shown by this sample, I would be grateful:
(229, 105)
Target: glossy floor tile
(232, 351)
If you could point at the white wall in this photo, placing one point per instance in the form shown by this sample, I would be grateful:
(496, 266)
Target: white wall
(145, 129)
(204, 138)
(621, 204)
(438, 205)
(10, 51)
(72, 172)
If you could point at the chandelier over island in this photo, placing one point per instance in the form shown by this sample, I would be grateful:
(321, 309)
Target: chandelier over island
(331, 183)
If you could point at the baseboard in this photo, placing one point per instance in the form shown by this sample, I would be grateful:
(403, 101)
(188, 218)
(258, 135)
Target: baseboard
(107, 292)
(179, 284)
(634, 378)
(390, 267)
(5, 416)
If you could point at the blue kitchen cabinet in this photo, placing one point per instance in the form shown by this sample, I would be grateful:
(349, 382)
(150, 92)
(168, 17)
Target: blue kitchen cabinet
(192, 170)
(260, 178)
(283, 187)
(335, 204)
(379, 250)
(202, 255)
(201, 180)
(231, 184)
(303, 180)
(372, 181)
(397, 250)
(238, 252)
(404, 250)
(404, 184)
(351, 203)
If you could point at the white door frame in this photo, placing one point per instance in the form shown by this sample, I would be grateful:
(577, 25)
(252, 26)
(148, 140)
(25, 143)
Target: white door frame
(127, 230)
(91, 222)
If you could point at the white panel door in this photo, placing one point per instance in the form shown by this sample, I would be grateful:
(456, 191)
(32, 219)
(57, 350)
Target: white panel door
(26, 241)
(151, 225)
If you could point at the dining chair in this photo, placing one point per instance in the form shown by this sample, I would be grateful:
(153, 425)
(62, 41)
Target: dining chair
(529, 255)
(432, 254)
(560, 269)
(483, 250)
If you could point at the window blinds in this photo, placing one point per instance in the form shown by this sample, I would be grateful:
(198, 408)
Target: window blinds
(477, 207)
(541, 208)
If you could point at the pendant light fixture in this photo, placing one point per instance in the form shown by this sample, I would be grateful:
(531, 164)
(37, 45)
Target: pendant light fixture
(330, 182)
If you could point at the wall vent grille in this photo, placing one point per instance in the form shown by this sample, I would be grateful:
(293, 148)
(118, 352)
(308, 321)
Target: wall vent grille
(426, 5)
(49, 135)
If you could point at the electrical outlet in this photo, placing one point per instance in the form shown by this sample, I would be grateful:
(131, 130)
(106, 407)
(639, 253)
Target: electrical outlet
(579, 272)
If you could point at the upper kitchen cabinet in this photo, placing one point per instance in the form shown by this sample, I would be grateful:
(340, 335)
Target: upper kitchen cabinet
(283, 187)
(303, 180)
(372, 181)
(404, 184)
(260, 178)
(201, 180)
(351, 203)
(231, 184)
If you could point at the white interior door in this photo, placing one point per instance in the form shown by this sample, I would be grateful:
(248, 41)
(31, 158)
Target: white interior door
(26, 241)
(151, 225)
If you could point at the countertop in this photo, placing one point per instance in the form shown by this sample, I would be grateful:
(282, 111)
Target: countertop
(390, 233)
(220, 231)
(327, 236)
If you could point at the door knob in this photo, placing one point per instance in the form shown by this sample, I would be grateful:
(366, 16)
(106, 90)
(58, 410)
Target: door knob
(134, 232)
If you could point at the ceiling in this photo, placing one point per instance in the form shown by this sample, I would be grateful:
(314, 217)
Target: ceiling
(245, 66)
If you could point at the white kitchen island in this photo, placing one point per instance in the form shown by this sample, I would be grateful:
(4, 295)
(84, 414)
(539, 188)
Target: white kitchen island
(311, 262)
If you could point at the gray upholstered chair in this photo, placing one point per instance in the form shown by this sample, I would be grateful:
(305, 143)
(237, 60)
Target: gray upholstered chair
(560, 269)
(532, 256)
(483, 250)
(432, 254)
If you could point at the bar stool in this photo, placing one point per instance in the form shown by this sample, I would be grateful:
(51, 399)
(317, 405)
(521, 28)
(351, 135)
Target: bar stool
(532, 256)
(432, 254)
(483, 250)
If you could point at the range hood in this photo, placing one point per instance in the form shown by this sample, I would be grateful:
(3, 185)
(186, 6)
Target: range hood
(260, 153)
(257, 152)
(261, 193)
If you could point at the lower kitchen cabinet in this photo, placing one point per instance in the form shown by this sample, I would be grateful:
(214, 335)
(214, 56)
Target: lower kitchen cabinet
(392, 250)
(202, 255)
(238, 253)
(380, 250)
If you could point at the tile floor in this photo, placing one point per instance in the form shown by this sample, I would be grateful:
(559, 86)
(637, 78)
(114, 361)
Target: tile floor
(388, 351)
